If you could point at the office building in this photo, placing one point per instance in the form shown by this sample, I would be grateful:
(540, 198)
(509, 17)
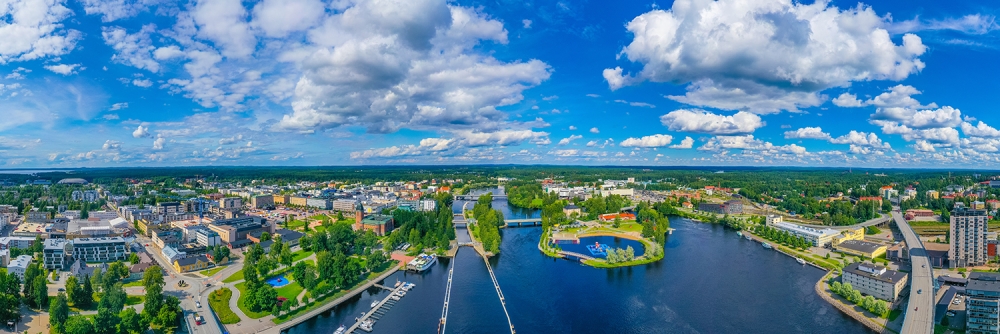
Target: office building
(968, 238)
(818, 238)
(319, 203)
(875, 280)
(262, 201)
(56, 254)
(982, 303)
(235, 229)
(100, 249)
(18, 265)
(345, 205)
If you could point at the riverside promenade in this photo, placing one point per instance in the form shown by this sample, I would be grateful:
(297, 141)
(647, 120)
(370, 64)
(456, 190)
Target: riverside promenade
(311, 314)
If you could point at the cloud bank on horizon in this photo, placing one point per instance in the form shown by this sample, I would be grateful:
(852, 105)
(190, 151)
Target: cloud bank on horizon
(311, 82)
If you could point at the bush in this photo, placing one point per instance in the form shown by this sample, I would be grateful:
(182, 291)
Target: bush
(219, 301)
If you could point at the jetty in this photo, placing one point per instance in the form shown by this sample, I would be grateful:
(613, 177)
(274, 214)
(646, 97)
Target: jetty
(366, 321)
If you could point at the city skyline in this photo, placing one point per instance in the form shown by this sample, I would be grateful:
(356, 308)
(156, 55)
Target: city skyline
(302, 82)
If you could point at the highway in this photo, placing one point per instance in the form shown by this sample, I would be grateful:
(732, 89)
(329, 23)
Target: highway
(919, 315)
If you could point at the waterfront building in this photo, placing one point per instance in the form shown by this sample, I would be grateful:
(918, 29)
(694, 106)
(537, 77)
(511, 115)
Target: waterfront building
(818, 238)
(18, 265)
(860, 248)
(875, 280)
(968, 237)
(612, 216)
(773, 219)
(982, 305)
(55, 253)
(100, 249)
(192, 263)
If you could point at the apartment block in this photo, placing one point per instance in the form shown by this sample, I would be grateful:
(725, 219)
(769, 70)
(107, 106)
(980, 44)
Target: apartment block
(968, 237)
(983, 303)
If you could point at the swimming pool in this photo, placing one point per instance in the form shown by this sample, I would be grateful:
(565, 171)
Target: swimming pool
(277, 281)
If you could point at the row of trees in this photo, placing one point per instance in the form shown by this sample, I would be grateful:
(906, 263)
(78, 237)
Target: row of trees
(433, 229)
(781, 237)
(875, 306)
(616, 255)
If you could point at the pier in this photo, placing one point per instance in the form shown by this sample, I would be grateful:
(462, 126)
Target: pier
(379, 310)
(447, 298)
(496, 285)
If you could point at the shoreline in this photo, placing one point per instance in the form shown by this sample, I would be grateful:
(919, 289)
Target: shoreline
(867, 322)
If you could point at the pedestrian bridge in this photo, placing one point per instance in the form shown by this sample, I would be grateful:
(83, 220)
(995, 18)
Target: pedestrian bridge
(575, 255)
(523, 222)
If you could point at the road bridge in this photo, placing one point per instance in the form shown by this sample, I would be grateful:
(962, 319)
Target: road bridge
(919, 313)
(882, 221)
(523, 222)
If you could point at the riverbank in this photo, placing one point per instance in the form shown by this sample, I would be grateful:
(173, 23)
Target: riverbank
(651, 251)
(823, 290)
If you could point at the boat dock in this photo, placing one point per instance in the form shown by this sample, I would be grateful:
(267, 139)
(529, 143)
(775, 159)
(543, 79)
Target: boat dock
(368, 320)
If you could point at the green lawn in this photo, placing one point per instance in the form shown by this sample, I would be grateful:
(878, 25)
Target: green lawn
(630, 227)
(241, 303)
(133, 283)
(210, 272)
(135, 300)
(300, 255)
(219, 301)
(234, 277)
(290, 291)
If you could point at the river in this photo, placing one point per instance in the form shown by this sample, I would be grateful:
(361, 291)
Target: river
(710, 281)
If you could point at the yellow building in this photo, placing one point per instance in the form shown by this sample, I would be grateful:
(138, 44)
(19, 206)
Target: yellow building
(853, 234)
(143, 226)
(192, 263)
(281, 199)
(934, 194)
(865, 249)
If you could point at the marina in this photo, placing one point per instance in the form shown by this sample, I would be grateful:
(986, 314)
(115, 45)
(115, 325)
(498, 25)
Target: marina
(379, 308)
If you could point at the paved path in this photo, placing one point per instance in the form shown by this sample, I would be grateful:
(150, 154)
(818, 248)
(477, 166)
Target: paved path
(920, 308)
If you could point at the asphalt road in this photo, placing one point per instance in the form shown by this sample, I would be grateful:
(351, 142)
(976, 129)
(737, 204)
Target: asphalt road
(919, 315)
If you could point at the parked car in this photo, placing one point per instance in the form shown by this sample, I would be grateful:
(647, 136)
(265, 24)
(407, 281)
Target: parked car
(197, 304)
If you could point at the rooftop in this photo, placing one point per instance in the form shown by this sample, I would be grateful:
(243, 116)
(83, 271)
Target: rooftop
(861, 246)
(85, 241)
(807, 230)
(376, 220)
(192, 260)
(59, 244)
(983, 281)
(20, 262)
(890, 276)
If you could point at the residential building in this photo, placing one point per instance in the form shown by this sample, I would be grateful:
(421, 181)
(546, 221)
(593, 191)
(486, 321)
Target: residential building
(281, 199)
(35, 216)
(726, 208)
(888, 192)
(982, 303)
(207, 238)
(169, 208)
(100, 249)
(570, 209)
(344, 205)
(168, 238)
(231, 203)
(298, 200)
(861, 248)
(18, 265)
(85, 196)
(968, 237)
(818, 238)
(289, 237)
(262, 201)
(875, 280)
(56, 253)
(933, 194)
(172, 254)
(16, 242)
(977, 205)
(772, 219)
(192, 263)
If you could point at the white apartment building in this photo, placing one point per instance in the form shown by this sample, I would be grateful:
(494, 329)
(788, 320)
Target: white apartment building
(968, 237)
(874, 280)
(19, 265)
(16, 242)
(55, 254)
(100, 249)
(818, 238)
(208, 237)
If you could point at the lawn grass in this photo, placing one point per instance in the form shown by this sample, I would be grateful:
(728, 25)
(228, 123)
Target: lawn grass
(210, 272)
(218, 300)
(630, 227)
(300, 255)
(135, 299)
(290, 291)
(133, 283)
(241, 303)
(234, 277)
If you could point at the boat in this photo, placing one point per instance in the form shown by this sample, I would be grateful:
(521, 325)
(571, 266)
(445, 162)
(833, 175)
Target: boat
(747, 236)
(766, 245)
(340, 330)
(374, 303)
(396, 298)
(367, 325)
(800, 261)
(739, 233)
(422, 262)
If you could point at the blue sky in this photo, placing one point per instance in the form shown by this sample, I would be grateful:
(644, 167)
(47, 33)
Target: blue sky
(311, 82)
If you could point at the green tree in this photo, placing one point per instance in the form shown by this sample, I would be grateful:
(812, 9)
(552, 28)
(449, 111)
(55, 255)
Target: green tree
(114, 298)
(59, 312)
(41, 292)
(133, 258)
(86, 295)
(152, 280)
(265, 236)
(72, 289)
(131, 322)
(79, 325)
(106, 321)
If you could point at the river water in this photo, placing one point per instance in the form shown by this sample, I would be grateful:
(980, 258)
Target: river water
(710, 281)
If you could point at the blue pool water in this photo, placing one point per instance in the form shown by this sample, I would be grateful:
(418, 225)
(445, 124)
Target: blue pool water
(589, 246)
(277, 281)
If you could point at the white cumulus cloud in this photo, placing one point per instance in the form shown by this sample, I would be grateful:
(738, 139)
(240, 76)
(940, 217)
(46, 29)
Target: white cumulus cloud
(701, 121)
(657, 140)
